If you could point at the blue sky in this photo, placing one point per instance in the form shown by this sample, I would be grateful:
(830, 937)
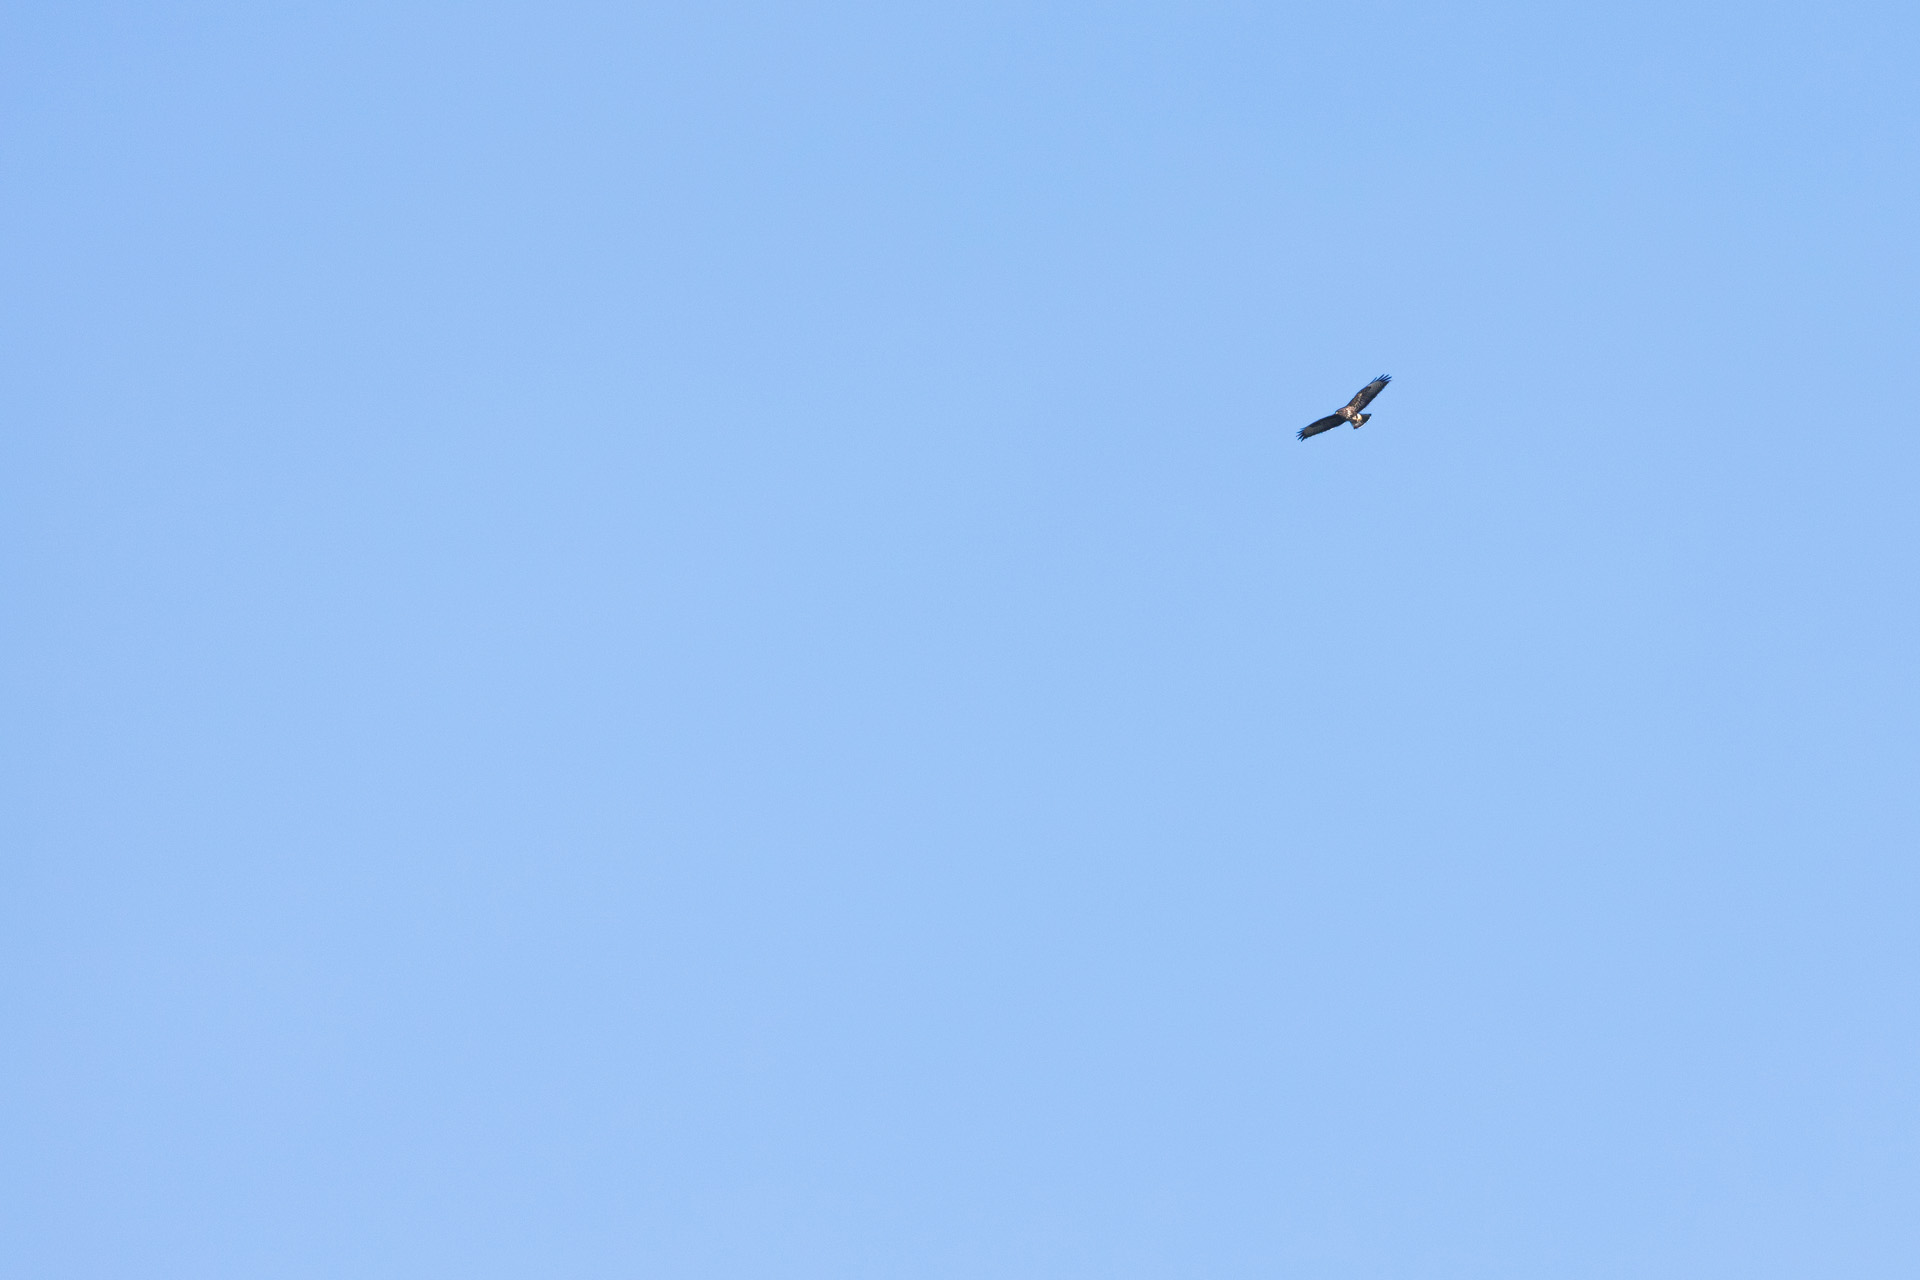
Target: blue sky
(691, 641)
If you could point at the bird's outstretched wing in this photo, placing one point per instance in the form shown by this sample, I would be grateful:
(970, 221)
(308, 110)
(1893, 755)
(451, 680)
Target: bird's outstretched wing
(1364, 396)
(1327, 423)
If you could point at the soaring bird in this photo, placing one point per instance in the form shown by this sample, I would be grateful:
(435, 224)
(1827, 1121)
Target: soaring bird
(1350, 412)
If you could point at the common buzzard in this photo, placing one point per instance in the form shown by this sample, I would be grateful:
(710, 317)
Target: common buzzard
(1351, 411)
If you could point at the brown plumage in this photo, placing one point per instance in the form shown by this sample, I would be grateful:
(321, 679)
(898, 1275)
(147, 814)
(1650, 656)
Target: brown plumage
(1351, 411)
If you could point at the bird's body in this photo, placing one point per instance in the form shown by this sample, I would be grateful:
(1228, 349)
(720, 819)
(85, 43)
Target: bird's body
(1350, 411)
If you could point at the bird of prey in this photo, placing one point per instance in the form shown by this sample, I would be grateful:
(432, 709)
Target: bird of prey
(1350, 412)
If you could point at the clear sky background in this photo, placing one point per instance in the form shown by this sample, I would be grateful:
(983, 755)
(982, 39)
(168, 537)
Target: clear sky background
(690, 641)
